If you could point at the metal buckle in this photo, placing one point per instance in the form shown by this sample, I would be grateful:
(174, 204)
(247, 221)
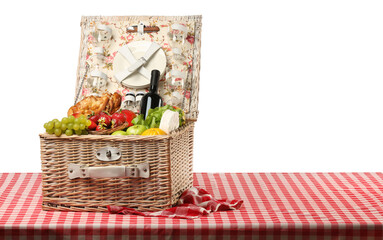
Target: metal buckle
(77, 171)
(138, 171)
(108, 154)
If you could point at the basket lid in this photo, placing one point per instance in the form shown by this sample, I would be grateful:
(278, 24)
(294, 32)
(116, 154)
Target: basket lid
(126, 48)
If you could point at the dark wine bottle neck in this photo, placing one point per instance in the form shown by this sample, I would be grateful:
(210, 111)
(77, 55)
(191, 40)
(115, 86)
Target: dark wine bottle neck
(154, 81)
(153, 87)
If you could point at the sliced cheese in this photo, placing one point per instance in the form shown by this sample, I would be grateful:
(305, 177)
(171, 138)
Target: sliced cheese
(170, 121)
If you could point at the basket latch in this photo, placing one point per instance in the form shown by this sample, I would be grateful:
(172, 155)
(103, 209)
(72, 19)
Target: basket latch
(140, 170)
(108, 154)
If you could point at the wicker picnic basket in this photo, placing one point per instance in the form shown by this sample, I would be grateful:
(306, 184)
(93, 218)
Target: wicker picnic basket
(156, 169)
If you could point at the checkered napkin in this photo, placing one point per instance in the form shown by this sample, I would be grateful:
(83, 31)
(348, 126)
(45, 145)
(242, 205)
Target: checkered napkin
(193, 203)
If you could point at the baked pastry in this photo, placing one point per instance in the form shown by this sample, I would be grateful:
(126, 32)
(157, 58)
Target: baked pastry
(95, 104)
(113, 104)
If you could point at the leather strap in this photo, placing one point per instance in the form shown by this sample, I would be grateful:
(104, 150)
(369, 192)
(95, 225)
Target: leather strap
(104, 28)
(181, 28)
(136, 65)
(142, 61)
(99, 50)
(83, 171)
(178, 74)
(140, 28)
(100, 74)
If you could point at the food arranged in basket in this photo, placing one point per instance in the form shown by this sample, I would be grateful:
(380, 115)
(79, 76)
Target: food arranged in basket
(103, 115)
(134, 70)
(128, 138)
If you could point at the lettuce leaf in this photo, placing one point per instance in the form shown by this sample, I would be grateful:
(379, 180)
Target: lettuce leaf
(154, 116)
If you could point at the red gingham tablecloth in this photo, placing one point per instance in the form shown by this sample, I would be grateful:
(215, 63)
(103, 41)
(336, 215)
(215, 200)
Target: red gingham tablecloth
(276, 206)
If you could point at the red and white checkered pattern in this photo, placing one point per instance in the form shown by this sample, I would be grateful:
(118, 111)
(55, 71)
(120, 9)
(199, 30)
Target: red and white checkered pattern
(276, 206)
(193, 203)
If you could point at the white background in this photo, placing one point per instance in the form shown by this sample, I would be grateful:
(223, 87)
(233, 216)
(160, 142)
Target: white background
(286, 86)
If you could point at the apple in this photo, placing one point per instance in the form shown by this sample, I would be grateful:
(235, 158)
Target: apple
(119, 133)
(136, 130)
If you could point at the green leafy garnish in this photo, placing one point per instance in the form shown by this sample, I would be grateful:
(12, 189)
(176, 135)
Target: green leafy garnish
(154, 116)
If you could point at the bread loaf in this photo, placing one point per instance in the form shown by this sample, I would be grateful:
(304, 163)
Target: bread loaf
(95, 104)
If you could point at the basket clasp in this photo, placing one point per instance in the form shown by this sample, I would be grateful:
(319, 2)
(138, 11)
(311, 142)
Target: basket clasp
(108, 154)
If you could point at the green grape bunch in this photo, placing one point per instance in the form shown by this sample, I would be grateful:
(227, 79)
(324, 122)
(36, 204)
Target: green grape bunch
(68, 126)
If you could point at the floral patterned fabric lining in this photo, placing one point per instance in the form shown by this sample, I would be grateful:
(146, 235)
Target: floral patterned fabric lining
(164, 37)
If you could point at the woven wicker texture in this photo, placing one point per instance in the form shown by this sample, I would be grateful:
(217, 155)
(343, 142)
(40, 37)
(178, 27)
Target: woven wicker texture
(169, 157)
(181, 148)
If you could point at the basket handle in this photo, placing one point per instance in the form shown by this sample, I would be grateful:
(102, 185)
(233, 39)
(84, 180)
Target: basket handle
(133, 171)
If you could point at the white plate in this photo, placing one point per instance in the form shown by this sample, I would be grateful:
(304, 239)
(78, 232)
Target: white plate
(138, 49)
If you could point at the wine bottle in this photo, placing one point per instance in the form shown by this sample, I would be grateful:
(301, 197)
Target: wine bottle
(151, 99)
